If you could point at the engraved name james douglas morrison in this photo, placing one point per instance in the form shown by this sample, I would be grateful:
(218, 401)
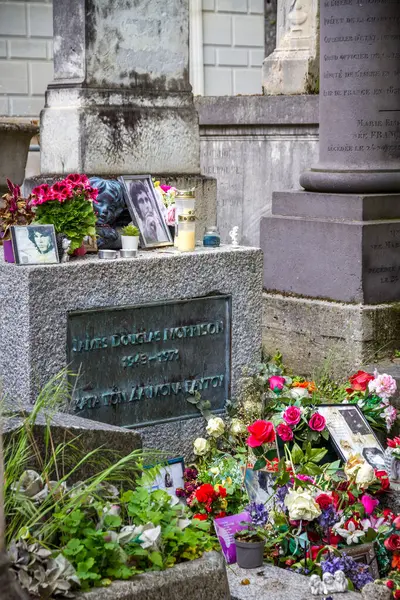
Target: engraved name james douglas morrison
(141, 338)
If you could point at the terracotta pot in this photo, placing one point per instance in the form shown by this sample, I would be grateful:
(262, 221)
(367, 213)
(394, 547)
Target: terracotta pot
(8, 251)
(249, 555)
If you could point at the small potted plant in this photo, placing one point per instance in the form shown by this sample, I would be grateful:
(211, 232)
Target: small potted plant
(14, 210)
(250, 542)
(130, 237)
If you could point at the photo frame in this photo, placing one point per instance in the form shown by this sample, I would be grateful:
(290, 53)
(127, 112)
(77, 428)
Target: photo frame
(365, 554)
(351, 433)
(146, 210)
(34, 244)
(170, 476)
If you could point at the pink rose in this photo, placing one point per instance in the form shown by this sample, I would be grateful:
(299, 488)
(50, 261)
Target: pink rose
(276, 383)
(284, 432)
(171, 215)
(317, 422)
(369, 503)
(292, 415)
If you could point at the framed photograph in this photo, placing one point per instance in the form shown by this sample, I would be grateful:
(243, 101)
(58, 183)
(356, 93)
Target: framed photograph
(365, 554)
(90, 243)
(147, 210)
(170, 477)
(34, 244)
(351, 433)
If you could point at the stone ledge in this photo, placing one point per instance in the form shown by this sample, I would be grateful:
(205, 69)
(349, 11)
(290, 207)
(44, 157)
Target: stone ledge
(257, 110)
(201, 579)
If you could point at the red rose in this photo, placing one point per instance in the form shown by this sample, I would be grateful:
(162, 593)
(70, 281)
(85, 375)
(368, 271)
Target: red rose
(396, 521)
(392, 543)
(390, 584)
(205, 492)
(292, 415)
(262, 432)
(200, 517)
(284, 432)
(323, 501)
(359, 381)
(396, 594)
(317, 422)
(276, 383)
(383, 478)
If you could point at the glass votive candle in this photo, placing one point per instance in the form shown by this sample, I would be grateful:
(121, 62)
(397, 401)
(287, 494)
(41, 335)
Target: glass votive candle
(185, 202)
(187, 233)
(212, 238)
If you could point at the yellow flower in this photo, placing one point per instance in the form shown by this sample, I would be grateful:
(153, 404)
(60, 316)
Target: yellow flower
(224, 503)
(156, 183)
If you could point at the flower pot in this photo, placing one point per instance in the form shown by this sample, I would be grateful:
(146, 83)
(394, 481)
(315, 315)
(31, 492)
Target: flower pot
(130, 242)
(8, 251)
(249, 555)
(81, 251)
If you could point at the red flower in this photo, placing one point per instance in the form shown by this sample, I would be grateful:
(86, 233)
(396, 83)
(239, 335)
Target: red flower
(396, 594)
(396, 522)
(313, 552)
(273, 465)
(262, 432)
(383, 478)
(205, 492)
(284, 432)
(396, 561)
(276, 383)
(292, 415)
(392, 543)
(388, 514)
(200, 517)
(221, 491)
(390, 584)
(220, 515)
(317, 422)
(289, 562)
(334, 539)
(359, 381)
(393, 443)
(323, 501)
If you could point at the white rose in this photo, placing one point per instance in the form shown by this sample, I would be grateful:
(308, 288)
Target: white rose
(215, 427)
(298, 393)
(365, 475)
(200, 446)
(237, 427)
(301, 505)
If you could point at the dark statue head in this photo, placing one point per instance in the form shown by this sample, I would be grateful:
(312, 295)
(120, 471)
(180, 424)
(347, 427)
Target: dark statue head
(110, 201)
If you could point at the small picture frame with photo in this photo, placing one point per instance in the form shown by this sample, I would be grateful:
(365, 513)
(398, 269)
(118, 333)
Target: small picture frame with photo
(351, 434)
(34, 244)
(170, 476)
(365, 555)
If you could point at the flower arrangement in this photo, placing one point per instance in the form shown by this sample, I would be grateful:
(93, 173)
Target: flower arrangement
(209, 501)
(167, 194)
(68, 205)
(372, 394)
(14, 210)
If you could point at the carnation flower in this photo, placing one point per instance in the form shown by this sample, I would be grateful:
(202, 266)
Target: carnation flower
(301, 505)
(390, 415)
(383, 386)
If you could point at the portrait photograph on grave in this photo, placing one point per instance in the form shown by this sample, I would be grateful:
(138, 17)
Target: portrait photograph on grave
(34, 244)
(170, 476)
(146, 210)
(351, 433)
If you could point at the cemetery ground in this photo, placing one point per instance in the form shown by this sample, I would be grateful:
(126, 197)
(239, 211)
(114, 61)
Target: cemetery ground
(295, 464)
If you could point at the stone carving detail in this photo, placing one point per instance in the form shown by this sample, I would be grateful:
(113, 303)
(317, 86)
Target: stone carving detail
(330, 584)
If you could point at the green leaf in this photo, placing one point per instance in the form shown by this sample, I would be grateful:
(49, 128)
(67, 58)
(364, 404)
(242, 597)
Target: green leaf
(156, 559)
(297, 454)
(259, 464)
(271, 454)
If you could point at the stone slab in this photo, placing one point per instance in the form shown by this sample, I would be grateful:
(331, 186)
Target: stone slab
(352, 207)
(348, 261)
(317, 336)
(202, 579)
(37, 299)
(273, 583)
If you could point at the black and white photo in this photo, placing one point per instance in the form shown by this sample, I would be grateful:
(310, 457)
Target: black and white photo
(34, 244)
(147, 210)
(352, 434)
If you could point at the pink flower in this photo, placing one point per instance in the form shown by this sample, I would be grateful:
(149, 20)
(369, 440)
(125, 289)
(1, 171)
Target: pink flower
(369, 503)
(292, 415)
(284, 432)
(276, 383)
(165, 188)
(317, 422)
(171, 215)
(390, 416)
(383, 386)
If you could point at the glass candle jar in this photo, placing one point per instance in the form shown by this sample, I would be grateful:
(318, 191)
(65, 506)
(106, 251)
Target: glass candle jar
(185, 202)
(212, 238)
(187, 236)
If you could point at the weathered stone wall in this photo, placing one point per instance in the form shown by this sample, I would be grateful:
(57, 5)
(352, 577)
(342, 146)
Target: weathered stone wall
(254, 146)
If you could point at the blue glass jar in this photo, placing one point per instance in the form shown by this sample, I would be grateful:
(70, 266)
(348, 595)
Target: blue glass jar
(212, 238)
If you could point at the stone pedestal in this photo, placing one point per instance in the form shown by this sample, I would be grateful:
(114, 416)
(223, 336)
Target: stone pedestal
(339, 240)
(293, 66)
(120, 101)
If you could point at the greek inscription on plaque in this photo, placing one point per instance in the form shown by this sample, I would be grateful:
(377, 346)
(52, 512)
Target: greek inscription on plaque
(139, 365)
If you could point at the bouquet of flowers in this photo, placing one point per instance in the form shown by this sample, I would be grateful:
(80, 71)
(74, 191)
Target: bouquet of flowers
(68, 205)
(209, 501)
(372, 394)
(167, 194)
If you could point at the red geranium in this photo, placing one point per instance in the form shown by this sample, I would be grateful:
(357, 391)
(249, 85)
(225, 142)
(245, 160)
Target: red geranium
(262, 432)
(221, 491)
(205, 492)
(359, 381)
(323, 501)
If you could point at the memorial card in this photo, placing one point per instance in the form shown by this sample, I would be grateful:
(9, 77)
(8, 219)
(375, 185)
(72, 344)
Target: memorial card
(225, 528)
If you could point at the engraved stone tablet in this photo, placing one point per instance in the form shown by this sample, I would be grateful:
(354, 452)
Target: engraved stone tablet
(139, 365)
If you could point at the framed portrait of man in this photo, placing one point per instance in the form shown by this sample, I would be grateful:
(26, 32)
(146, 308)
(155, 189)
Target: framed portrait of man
(351, 433)
(34, 244)
(147, 210)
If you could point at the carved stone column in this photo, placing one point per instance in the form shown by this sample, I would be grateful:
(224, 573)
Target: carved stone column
(293, 67)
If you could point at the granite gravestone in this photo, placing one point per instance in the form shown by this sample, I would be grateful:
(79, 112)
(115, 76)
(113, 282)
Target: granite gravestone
(138, 366)
(339, 240)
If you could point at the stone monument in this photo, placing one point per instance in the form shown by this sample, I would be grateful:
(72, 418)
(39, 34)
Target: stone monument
(333, 249)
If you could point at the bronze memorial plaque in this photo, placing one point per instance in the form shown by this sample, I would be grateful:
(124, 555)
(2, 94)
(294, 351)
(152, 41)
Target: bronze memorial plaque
(138, 365)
